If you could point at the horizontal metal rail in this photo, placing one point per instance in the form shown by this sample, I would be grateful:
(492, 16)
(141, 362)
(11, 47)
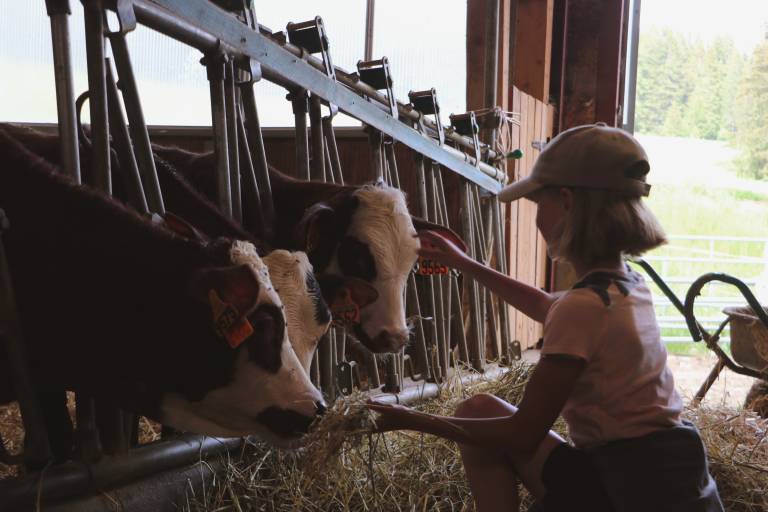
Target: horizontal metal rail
(197, 23)
(76, 478)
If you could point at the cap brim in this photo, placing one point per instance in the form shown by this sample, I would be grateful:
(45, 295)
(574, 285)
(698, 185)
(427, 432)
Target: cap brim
(520, 188)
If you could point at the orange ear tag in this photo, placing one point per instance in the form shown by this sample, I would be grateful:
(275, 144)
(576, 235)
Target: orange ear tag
(344, 310)
(427, 267)
(228, 322)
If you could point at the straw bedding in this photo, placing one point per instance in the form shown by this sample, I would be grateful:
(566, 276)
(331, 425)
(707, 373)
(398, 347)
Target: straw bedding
(343, 467)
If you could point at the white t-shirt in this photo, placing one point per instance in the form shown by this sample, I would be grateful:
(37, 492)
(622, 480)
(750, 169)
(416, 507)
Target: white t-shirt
(626, 389)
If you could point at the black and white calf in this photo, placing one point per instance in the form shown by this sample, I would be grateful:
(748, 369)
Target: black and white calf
(190, 334)
(354, 235)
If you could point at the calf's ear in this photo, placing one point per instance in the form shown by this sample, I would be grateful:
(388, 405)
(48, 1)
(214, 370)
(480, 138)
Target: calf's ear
(424, 225)
(235, 285)
(176, 224)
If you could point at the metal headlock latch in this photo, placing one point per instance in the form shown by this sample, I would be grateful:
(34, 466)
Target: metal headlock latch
(466, 124)
(378, 75)
(312, 37)
(347, 377)
(425, 102)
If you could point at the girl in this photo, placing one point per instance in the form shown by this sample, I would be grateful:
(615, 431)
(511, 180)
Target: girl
(602, 364)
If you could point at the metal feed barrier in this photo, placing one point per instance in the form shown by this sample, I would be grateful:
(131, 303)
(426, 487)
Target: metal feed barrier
(238, 53)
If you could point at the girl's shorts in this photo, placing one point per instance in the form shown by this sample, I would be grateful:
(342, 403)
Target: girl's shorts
(662, 471)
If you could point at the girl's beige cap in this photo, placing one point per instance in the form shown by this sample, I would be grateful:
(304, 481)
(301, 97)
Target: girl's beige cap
(587, 156)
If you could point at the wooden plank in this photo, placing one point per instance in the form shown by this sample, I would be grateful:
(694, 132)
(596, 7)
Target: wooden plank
(476, 13)
(511, 213)
(523, 217)
(533, 47)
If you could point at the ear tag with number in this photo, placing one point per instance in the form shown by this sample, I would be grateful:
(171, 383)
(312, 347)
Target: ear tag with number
(345, 310)
(228, 322)
(427, 267)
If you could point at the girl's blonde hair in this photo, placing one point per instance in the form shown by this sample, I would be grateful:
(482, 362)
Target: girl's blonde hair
(604, 224)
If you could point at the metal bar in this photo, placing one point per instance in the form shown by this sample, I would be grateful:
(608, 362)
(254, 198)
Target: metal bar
(258, 156)
(389, 154)
(438, 371)
(501, 263)
(421, 342)
(370, 10)
(300, 108)
(632, 78)
(443, 219)
(59, 12)
(232, 106)
(137, 124)
(392, 377)
(76, 478)
(437, 283)
(372, 366)
(333, 149)
(374, 140)
(97, 101)
(215, 65)
(280, 61)
(475, 354)
(37, 450)
(711, 378)
(251, 184)
(129, 169)
(325, 350)
(317, 161)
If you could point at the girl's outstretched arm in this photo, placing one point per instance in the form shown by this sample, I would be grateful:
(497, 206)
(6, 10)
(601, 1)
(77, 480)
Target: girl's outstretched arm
(548, 389)
(533, 302)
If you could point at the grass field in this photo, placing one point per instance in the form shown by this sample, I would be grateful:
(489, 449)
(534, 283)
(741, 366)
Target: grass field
(696, 192)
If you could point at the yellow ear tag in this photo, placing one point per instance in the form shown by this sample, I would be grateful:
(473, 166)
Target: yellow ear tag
(344, 310)
(228, 322)
(427, 267)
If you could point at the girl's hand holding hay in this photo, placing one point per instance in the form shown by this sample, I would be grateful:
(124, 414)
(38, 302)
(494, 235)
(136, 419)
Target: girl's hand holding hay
(397, 417)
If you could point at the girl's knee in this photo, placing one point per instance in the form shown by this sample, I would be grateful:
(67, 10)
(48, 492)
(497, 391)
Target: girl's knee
(483, 405)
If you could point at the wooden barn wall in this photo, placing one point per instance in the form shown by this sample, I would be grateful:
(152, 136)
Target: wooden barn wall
(526, 250)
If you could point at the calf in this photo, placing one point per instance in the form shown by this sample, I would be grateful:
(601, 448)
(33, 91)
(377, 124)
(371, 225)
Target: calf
(192, 335)
(359, 232)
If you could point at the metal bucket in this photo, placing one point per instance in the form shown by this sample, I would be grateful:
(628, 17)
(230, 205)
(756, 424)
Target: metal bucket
(749, 338)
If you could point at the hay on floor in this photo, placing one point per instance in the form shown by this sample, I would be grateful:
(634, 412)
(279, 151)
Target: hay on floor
(343, 467)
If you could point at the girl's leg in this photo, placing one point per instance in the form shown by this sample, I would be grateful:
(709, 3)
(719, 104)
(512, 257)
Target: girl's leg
(493, 475)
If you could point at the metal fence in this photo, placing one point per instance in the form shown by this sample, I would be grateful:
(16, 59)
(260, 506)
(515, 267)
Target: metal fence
(686, 257)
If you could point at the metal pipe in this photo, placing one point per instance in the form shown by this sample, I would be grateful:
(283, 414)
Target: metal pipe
(333, 149)
(59, 12)
(137, 124)
(97, 101)
(501, 263)
(129, 169)
(475, 353)
(421, 342)
(236, 39)
(370, 10)
(634, 41)
(76, 478)
(325, 350)
(256, 211)
(258, 156)
(232, 106)
(300, 108)
(491, 52)
(374, 140)
(215, 65)
(413, 394)
(318, 144)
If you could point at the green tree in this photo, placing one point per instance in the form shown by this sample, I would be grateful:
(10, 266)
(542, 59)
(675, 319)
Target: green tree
(751, 116)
